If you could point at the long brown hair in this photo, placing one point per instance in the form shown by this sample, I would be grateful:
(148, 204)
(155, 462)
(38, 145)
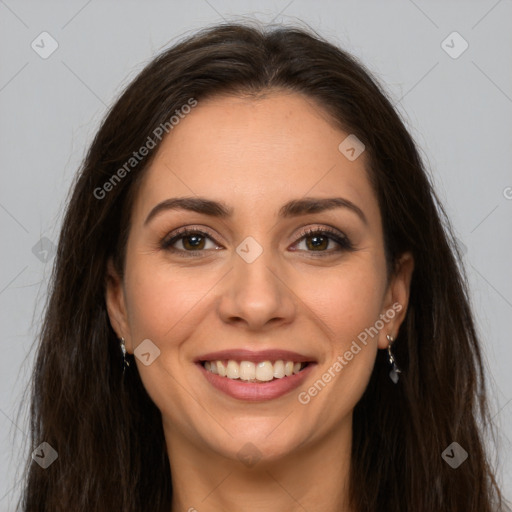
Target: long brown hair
(107, 431)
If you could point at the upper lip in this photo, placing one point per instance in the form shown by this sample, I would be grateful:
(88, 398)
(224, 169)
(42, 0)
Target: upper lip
(255, 357)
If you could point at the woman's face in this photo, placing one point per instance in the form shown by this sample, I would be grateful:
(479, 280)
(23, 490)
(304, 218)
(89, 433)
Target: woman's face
(254, 280)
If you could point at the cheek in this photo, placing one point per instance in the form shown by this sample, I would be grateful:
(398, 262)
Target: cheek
(164, 306)
(348, 300)
(349, 305)
(349, 310)
(162, 301)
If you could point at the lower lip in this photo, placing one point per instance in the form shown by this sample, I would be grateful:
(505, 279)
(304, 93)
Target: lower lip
(254, 391)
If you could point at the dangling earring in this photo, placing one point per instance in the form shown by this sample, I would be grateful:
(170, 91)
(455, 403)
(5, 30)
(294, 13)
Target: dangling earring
(125, 361)
(393, 374)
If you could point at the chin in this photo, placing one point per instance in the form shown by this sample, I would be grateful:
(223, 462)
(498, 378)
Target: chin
(262, 445)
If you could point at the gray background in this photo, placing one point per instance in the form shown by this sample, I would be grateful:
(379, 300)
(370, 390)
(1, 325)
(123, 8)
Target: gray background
(458, 110)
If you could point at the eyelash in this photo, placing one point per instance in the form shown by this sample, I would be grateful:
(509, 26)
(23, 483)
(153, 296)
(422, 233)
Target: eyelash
(341, 240)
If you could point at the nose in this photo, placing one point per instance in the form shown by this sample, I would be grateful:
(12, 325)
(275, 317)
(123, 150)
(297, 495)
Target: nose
(254, 294)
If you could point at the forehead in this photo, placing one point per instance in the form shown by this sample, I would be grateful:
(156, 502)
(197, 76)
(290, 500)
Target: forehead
(255, 153)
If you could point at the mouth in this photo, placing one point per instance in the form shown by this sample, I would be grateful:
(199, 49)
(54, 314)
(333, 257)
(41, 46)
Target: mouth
(255, 376)
(249, 371)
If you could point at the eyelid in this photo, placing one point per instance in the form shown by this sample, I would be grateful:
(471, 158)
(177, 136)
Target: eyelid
(179, 233)
(303, 232)
(330, 232)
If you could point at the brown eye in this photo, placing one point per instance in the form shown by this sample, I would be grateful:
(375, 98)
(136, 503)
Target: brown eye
(318, 240)
(192, 241)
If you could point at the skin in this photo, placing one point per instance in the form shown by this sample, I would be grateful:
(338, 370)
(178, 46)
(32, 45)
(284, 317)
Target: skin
(255, 155)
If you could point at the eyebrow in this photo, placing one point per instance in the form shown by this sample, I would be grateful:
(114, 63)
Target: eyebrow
(294, 208)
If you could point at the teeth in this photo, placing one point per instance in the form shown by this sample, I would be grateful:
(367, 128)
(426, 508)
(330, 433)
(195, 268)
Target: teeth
(232, 370)
(221, 369)
(247, 370)
(278, 369)
(263, 371)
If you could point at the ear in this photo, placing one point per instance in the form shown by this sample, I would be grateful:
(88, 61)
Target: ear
(116, 306)
(396, 299)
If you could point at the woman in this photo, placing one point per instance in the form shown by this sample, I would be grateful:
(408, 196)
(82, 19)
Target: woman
(257, 302)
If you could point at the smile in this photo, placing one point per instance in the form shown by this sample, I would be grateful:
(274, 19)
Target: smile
(263, 371)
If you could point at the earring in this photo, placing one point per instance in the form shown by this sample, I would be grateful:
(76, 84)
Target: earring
(393, 374)
(125, 361)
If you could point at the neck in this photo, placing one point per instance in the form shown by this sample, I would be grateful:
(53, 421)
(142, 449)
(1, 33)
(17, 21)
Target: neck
(314, 477)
